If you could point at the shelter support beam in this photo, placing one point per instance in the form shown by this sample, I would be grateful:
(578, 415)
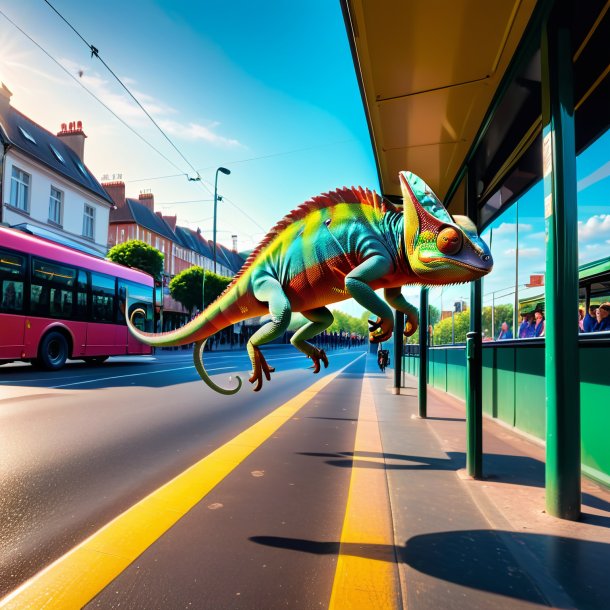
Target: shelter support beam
(399, 323)
(474, 359)
(561, 280)
(422, 388)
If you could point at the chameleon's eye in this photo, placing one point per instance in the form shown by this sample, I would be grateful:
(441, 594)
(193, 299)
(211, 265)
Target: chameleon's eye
(449, 241)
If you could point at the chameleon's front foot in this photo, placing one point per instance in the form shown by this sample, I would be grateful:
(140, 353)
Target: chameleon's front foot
(260, 368)
(316, 356)
(380, 330)
(410, 326)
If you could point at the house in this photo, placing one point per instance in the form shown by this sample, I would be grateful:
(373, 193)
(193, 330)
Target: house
(47, 189)
(182, 247)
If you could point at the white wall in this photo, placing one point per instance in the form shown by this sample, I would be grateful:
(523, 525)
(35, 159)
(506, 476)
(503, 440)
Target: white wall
(74, 199)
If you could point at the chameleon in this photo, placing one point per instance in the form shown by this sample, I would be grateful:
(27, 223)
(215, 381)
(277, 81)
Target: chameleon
(343, 244)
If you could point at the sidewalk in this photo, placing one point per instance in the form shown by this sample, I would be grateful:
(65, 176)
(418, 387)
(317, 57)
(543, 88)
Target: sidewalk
(482, 544)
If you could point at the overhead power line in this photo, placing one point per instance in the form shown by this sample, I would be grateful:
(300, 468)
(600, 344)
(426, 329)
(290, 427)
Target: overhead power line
(95, 53)
(116, 116)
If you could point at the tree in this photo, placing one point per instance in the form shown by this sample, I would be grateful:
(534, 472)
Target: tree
(187, 287)
(138, 254)
(345, 322)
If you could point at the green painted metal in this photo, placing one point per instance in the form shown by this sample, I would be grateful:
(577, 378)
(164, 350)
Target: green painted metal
(527, 413)
(505, 385)
(561, 279)
(399, 323)
(422, 392)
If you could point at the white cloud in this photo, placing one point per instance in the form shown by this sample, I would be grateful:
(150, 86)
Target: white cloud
(195, 131)
(509, 228)
(524, 252)
(596, 227)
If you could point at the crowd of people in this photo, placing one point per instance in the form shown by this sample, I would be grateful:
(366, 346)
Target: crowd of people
(532, 325)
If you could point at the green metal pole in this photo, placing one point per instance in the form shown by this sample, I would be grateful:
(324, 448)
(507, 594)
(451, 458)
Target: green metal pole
(399, 324)
(474, 360)
(561, 281)
(422, 391)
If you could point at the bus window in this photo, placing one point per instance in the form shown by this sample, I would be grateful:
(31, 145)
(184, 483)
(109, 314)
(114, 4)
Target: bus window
(103, 294)
(81, 296)
(12, 271)
(51, 289)
(140, 297)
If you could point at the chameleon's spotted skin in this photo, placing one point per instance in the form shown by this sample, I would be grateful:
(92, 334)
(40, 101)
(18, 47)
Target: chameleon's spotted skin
(340, 245)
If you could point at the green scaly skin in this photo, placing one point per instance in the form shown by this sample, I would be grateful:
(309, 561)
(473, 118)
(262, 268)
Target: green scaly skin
(344, 244)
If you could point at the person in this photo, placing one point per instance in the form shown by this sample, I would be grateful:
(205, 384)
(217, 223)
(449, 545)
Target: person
(382, 357)
(589, 321)
(581, 317)
(539, 323)
(505, 332)
(10, 296)
(526, 329)
(602, 316)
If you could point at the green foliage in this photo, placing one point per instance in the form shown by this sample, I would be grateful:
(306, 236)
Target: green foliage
(138, 254)
(349, 323)
(502, 313)
(187, 287)
(444, 329)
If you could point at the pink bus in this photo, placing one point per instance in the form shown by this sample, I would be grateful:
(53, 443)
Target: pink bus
(58, 303)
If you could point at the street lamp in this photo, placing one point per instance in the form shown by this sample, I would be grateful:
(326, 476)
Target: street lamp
(225, 171)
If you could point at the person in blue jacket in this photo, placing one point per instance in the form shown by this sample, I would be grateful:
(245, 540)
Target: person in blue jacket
(505, 332)
(602, 316)
(589, 320)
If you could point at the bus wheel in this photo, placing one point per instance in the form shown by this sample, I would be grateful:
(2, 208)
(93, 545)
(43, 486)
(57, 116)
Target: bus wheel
(53, 351)
(95, 360)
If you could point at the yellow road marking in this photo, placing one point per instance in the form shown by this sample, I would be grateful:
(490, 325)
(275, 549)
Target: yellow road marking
(367, 574)
(76, 578)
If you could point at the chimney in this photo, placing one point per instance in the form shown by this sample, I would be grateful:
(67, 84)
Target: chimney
(171, 221)
(5, 99)
(148, 199)
(72, 135)
(116, 190)
(234, 238)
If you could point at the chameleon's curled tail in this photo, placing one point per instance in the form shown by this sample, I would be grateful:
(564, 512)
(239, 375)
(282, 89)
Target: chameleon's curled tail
(198, 361)
(197, 357)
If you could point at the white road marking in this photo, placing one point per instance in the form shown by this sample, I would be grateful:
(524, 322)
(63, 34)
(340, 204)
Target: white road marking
(66, 385)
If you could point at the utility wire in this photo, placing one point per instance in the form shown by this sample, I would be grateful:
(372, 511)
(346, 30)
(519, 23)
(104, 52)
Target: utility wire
(95, 53)
(89, 91)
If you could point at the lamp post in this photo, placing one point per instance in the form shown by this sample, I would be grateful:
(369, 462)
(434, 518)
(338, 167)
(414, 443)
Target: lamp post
(226, 171)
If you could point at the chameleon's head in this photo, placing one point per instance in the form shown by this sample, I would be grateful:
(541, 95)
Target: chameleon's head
(440, 249)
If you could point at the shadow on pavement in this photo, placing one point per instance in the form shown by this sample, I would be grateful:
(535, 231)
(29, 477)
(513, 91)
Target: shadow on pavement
(479, 560)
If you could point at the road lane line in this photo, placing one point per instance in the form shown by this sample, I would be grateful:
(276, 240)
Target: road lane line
(367, 572)
(180, 368)
(76, 578)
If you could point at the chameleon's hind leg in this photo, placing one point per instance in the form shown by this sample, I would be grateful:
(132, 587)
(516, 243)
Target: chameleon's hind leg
(268, 290)
(394, 297)
(319, 320)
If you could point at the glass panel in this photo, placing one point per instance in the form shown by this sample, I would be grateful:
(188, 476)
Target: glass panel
(516, 284)
(81, 296)
(11, 264)
(593, 175)
(140, 297)
(12, 296)
(103, 297)
(50, 272)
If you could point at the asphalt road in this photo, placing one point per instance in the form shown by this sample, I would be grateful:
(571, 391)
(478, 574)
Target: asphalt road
(82, 445)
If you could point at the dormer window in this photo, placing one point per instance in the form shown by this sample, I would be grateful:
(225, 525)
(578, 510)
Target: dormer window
(56, 154)
(81, 169)
(26, 135)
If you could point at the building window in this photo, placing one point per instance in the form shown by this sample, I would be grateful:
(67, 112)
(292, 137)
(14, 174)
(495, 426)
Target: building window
(20, 189)
(89, 222)
(122, 235)
(55, 205)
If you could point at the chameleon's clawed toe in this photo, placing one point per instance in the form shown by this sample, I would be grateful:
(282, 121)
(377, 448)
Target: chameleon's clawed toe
(318, 355)
(260, 368)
